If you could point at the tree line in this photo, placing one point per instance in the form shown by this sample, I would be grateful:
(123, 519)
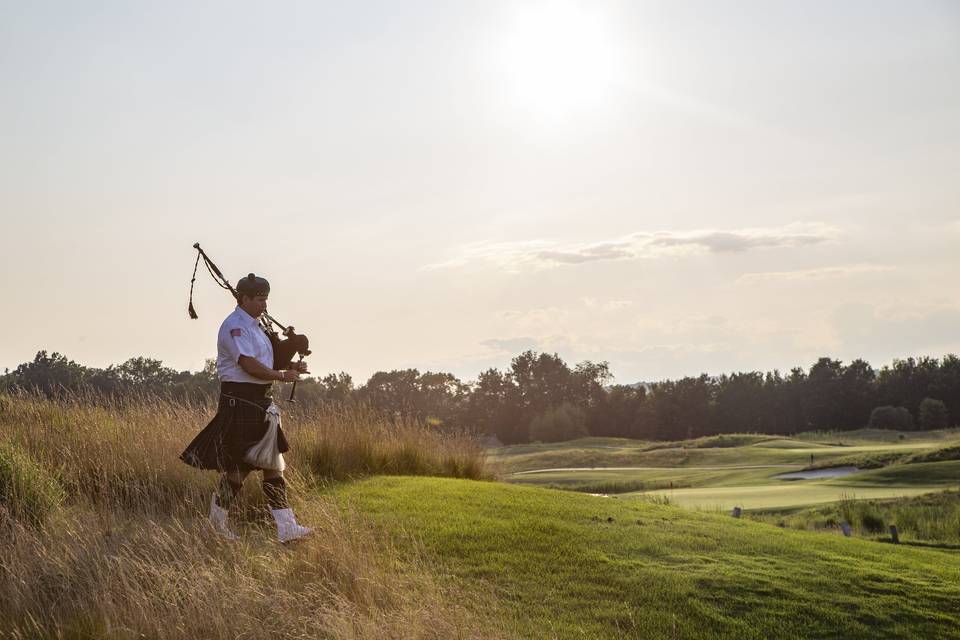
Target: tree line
(542, 398)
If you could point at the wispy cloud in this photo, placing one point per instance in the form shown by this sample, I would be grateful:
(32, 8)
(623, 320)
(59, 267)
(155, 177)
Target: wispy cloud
(511, 345)
(541, 254)
(822, 273)
(738, 241)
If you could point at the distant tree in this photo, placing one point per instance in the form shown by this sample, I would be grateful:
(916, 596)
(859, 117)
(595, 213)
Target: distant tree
(784, 402)
(437, 397)
(566, 422)
(542, 380)
(933, 414)
(739, 403)
(617, 412)
(392, 392)
(587, 384)
(858, 394)
(682, 408)
(337, 387)
(492, 407)
(440, 398)
(146, 373)
(907, 382)
(823, 395)
(49, 374)
(946, 386)
(890, 417)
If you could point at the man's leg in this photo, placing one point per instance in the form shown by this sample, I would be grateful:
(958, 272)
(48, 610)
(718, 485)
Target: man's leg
(275, 488)
(227, 489)
(229, 486)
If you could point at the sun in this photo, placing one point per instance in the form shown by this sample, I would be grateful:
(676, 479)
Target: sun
(557, 61)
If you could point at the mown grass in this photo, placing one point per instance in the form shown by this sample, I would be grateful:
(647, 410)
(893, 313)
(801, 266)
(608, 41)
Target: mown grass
(647, 479)
(612, 452)
(736, 449)
(932, 518)
(566, 565)
(124, 551)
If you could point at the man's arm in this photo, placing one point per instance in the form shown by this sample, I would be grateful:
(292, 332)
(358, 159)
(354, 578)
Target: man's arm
(257, 370)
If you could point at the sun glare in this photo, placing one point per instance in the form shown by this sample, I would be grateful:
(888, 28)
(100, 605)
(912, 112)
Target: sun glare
(559, 60)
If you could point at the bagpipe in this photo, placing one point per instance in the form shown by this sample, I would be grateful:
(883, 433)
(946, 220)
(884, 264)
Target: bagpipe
(284, 350)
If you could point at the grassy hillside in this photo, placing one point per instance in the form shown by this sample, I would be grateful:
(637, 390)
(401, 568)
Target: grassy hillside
(568, 565)
(103, 535)
(103, 531)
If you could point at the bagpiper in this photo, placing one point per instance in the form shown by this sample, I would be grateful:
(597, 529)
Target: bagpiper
(246, 435)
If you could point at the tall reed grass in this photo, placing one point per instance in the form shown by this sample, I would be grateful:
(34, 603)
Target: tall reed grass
(932, 518)
(124, 550)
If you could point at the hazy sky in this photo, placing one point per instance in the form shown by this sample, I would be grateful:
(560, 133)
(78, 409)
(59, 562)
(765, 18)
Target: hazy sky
(674, 187)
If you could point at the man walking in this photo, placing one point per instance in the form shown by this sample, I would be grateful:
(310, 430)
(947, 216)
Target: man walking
(246, 416)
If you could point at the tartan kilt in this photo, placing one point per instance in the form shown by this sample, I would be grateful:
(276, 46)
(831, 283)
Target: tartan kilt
(236, 427)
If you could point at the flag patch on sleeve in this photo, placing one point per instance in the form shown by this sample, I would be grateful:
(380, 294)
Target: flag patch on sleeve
(235, 333)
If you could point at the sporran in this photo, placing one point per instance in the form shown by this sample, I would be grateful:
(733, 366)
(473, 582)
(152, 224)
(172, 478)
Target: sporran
(266, 454)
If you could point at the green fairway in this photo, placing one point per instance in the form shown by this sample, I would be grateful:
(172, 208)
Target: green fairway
(719, 473)
(600, 452)
(567, 565)
(780, 496)
(650, 478)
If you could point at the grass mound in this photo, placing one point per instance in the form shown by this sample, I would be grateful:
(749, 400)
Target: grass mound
(567, 565)
(721, 441)
(28, 492)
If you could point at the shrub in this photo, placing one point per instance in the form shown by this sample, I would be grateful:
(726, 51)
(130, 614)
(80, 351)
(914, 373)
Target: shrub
(871, 522)
(933, 414)
(889, 417)
(565, 422)
(27, 491)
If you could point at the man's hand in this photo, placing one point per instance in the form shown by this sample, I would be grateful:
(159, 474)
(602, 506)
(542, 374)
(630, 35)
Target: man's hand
(289, 375)
(299, 367)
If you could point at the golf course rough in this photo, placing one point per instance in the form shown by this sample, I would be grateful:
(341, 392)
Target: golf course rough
(568, 565)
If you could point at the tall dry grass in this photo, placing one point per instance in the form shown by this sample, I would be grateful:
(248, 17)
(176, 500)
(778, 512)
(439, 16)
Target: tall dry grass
(128, 554)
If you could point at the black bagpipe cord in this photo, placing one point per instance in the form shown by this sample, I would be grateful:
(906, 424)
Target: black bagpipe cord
(222, 282)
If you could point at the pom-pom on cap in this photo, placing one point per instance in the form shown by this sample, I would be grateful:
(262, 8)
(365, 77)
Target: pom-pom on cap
(253, 285)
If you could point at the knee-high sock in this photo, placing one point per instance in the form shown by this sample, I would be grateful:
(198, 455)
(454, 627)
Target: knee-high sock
(226, 492)
(276, 491)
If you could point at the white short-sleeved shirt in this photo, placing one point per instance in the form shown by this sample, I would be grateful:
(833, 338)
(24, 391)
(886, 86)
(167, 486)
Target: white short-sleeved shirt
(241, 335)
